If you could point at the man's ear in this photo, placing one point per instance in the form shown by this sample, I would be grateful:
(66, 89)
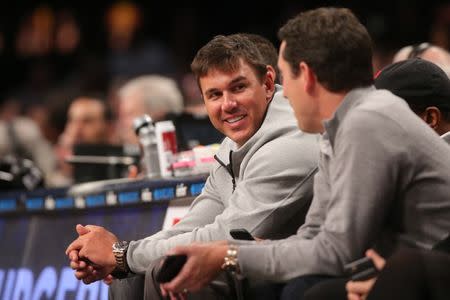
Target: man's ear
(270, 82)
(309, 78)
(432, 116)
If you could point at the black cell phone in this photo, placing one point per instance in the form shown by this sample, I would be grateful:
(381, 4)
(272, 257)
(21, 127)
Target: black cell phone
(241, 234)
(361, 269)
(171, 266)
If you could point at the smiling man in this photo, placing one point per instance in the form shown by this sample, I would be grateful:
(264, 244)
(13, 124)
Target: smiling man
(262, 180)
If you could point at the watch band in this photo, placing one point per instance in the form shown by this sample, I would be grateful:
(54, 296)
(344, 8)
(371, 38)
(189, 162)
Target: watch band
(120, 253)
(230, 263)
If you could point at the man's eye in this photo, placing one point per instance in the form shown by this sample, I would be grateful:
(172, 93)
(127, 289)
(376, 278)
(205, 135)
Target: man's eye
(213, 96)
(239, 87)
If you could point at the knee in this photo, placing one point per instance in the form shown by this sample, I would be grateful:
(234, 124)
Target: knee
(153, 268)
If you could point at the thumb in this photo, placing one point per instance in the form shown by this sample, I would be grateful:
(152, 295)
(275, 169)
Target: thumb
(81, 229)
(377, 259)
(178, 250)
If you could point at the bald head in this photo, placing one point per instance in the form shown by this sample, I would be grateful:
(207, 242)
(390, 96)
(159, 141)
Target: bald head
(154, 95)
(434, 54)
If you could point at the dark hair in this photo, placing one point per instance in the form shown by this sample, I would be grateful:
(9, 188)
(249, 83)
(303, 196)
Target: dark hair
(335, 45)
(225, 52)
(419, 82)
(268, 51)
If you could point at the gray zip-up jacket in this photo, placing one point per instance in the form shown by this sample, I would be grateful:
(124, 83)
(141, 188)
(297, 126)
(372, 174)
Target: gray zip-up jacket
(383, 180)
(264, 186)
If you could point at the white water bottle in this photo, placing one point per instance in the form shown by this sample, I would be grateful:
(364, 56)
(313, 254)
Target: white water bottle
(145, 130)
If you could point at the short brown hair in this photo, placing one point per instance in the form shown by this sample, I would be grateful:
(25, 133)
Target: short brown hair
(267, 50)
(333, 43)
(225, 53)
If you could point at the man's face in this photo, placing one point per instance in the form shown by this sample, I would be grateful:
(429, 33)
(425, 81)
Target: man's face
(236, 102)
(86, 122)
(306, 108)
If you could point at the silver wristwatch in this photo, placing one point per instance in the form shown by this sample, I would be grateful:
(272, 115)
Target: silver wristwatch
(119, 250)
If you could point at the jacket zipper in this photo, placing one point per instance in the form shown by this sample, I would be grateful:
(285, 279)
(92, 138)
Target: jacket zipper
(229, 168)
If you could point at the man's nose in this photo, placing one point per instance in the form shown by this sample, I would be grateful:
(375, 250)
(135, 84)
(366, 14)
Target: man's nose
(229, 102)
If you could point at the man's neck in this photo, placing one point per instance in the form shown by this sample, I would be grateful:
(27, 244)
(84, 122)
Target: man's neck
(330, 102)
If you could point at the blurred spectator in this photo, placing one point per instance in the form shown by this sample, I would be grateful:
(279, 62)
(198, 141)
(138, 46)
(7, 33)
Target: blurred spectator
(130, 54)
(88, 122)
(435, 54)
(21, 138)
(35, 36)
(154, 95)
(67, 33)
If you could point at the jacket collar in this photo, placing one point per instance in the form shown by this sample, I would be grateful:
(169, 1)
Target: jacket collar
(446, 137)
(352, 99)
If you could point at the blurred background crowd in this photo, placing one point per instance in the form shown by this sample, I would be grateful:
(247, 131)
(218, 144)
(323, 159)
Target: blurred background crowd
(79, 72)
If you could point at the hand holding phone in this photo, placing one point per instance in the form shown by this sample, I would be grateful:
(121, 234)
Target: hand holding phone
(170, 268)
(241, 234)
(361, 269)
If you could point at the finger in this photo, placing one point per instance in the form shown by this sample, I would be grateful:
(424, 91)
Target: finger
(108, 279)
(377, 259)
(75, 266)
(360, 287)
(87, 280)
(81, 274)
(163, 290)
(353, 296)
(73, 255)
(83, 264)
(90, 279)
(93, 227)
(81, 229)
(75, 246)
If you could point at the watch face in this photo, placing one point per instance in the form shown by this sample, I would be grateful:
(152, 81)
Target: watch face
(120, 246)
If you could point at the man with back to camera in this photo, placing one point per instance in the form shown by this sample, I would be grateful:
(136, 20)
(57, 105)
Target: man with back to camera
(376, 157)
(250, 186)
(426, 89)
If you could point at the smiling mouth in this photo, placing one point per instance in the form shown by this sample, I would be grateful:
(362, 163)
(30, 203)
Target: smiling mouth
(234, 120)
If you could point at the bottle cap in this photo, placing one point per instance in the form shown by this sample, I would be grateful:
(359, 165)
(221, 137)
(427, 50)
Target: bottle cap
(140, 122)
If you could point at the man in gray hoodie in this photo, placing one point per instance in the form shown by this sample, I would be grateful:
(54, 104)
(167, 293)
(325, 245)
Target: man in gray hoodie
(383, 179)
(262, 180)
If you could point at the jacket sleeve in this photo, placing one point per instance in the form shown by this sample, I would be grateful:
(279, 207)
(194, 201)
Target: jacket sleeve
(202, 211)
(348, 214)
(272, 191)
